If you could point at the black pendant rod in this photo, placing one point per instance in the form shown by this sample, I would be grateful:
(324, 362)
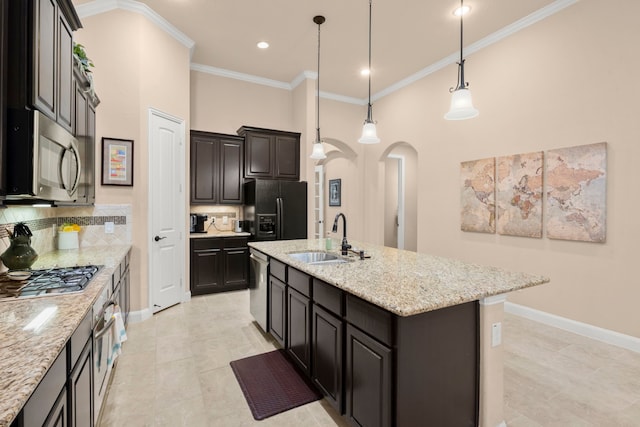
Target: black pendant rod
(318, 20)
(369, 119)
(461, 83)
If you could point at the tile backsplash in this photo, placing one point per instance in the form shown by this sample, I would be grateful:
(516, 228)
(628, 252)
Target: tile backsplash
(44, 224)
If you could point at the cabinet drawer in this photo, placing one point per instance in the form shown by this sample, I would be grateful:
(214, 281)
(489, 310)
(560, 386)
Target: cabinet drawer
(44, 397)
(278, 269)
(371, 319)
(299, 281)
(204, 244)
(328, 296)
(235, 242)
(79, 339)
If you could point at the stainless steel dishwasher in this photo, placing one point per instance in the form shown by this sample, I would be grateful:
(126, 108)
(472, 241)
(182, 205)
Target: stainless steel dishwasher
(258, 287)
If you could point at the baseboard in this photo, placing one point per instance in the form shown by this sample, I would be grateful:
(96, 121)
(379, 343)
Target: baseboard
(594, 332)
(186, 297)
(140, 316)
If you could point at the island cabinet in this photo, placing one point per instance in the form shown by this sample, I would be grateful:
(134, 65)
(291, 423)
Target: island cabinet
(219, 264)
(271, 154)
(376, 368)
(216, 168)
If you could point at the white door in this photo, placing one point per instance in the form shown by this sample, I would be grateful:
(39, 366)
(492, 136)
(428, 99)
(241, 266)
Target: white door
(318, 198)
(166, 209)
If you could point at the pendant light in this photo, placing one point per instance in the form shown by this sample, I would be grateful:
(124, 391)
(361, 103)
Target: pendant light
(461, 103)
(369, 133)
(318, 148)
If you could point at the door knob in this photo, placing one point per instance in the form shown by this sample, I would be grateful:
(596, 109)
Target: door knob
(158, 238)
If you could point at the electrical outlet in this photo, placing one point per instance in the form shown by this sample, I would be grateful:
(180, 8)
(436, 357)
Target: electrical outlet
(225, 220)
(109, 227)
(496, 334)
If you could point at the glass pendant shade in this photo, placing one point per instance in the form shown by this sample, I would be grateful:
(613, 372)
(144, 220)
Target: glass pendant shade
(369, 133)
(461, 106)
(318, 151)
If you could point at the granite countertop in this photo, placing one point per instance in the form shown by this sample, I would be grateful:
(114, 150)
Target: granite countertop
(402, 282)
(25, 356)
(216, 233)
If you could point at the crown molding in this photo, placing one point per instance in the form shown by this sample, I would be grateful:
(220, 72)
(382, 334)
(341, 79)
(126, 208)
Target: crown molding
(97, 7)
(492, 38)
(101, 6)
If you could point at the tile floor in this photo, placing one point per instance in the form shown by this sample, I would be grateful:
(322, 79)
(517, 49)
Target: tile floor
(174, 371)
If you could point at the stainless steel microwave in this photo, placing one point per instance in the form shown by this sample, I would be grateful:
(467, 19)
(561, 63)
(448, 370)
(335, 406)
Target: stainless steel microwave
(43, 161)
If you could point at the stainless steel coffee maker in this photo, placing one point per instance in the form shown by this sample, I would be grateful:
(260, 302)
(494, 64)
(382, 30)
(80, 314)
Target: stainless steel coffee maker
(197, 221)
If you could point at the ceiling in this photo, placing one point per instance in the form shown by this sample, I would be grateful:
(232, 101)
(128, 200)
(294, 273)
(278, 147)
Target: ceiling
(407, 36)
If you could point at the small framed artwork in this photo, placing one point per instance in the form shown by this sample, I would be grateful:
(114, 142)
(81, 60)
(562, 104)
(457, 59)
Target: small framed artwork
(117, 161)
(335, 192)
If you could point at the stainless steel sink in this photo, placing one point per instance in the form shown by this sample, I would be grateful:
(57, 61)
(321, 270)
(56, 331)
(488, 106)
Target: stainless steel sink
(317, 258)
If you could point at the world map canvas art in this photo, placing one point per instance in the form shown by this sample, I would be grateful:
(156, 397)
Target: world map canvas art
(519, 194)
(477, 196)
(576, 183)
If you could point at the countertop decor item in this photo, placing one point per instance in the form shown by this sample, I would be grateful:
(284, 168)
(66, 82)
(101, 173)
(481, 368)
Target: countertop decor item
(19, 255)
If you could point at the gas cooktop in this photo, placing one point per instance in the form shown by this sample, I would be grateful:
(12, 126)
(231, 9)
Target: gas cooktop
(51, 281)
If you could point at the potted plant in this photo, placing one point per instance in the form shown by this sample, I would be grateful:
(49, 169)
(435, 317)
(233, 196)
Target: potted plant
(85, 63)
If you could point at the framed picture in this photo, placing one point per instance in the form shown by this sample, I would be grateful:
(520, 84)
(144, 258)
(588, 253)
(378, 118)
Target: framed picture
(334, 192)
(117, 161)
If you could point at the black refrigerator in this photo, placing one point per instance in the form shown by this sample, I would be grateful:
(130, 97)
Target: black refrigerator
(275, 209)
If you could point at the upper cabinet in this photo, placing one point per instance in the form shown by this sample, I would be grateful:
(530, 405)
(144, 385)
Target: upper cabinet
(271, 154)
(216, 168)
(41, 54)
(3, 92)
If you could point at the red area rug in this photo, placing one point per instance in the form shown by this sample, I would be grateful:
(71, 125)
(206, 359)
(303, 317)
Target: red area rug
(272, 384)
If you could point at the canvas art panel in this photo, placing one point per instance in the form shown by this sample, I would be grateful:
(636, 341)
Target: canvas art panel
(477, 195)
(576, 183)
(519, 194)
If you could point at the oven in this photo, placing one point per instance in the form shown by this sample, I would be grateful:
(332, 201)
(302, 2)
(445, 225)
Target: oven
(103, 325)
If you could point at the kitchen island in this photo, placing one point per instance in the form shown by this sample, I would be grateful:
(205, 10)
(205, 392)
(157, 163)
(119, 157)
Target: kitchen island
(414, 332)
(26, 354)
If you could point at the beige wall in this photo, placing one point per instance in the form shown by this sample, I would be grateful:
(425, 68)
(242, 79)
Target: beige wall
(137, 66)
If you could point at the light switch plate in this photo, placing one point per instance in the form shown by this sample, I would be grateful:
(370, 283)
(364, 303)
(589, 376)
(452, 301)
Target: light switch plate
(225, 220)
(109, 227)
(496, 334)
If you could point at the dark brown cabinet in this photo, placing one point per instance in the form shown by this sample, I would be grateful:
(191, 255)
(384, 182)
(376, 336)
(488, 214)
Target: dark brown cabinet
(277, 300)
(80, 389)
(216, 168)
(326, 342)
(299, 329)
(3, 92)
(40, 50)
(271, 154)
(219, 264)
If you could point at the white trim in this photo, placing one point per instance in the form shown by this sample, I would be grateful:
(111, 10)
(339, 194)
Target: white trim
(101, 6)
(239, 76)
(311, 75)
(186, 297)
(493, 300)
(594, 332)
(502, 424)
(401, 198)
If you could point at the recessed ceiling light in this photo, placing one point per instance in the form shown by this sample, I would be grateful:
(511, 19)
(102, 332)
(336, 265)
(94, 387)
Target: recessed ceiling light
(364, 72)
(263, 45)
(462, 10)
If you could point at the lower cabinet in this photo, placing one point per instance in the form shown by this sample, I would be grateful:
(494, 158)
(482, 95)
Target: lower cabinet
(219, 264)
(277, 300)
(81, 390)
(58, 415)
(299, 329)
(368, 380)
(48, 403)
(327, 351)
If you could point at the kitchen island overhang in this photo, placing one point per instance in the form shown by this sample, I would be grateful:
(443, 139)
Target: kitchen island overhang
(441, 310)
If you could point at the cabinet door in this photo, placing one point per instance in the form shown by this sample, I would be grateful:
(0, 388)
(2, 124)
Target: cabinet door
(299, 329)
(80, 132)
(326, 344)
(65, 74)
(44, 56)
(231, 164)
(58, 415)
(206, 271)
(81, 390)
(258, 161)
(277, 310)
(89, 164)
(287, 158)
(236, 267)
(368, 380)
(126, 291)
(3, 90)
(204, 177)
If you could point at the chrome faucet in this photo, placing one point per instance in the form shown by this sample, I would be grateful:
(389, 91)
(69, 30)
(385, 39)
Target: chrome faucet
(345, 245)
